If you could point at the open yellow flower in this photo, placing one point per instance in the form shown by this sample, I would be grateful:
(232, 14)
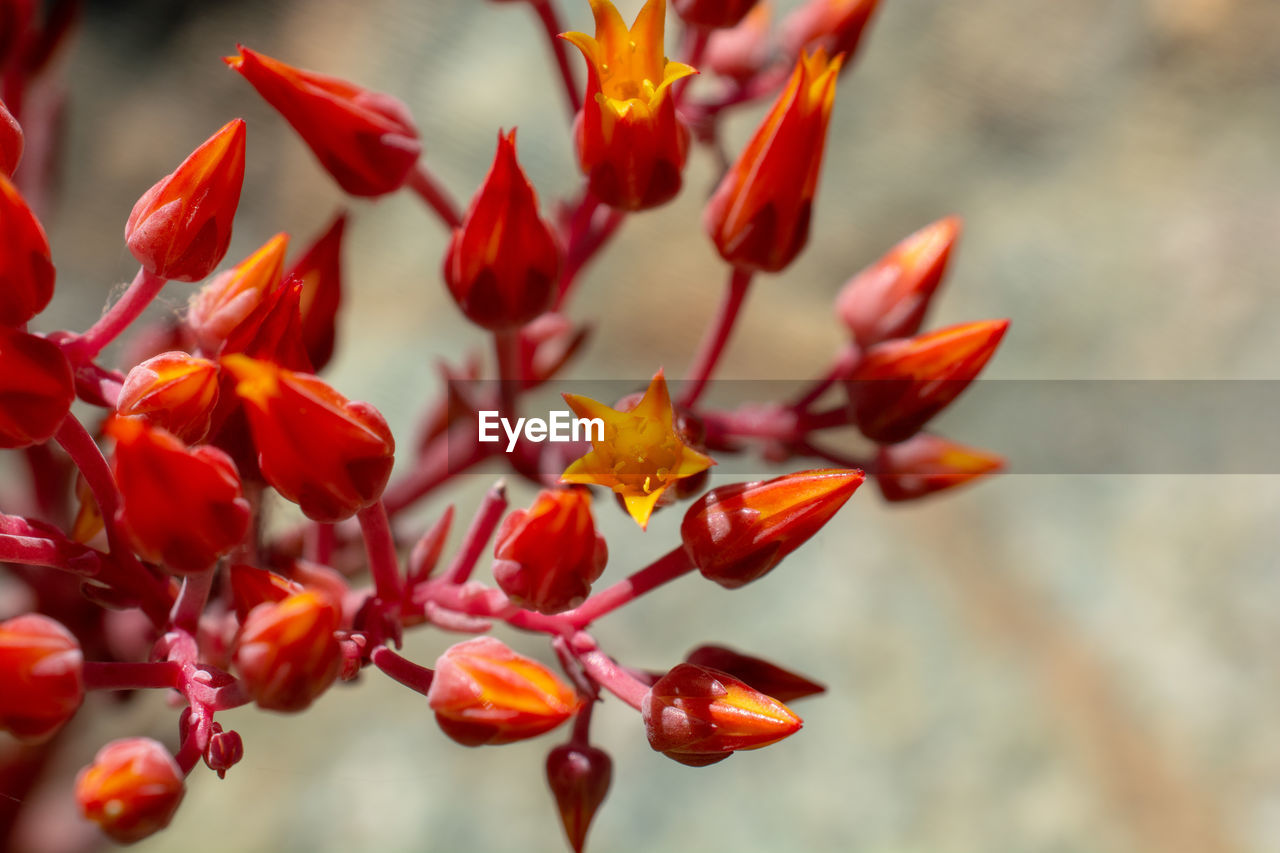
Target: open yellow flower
(641, 453)
(631, 145)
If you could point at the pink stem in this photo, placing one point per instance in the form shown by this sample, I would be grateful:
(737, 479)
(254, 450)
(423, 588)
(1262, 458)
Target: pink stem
(437, 465)
(712, 346)
(482, 527)
(36, 551)
(145, 287)
(380, 545)
(605, 672)
(110, 675)
(403, 670)
(666, 568)
(546, 13)
(191, 601)
(430, 190)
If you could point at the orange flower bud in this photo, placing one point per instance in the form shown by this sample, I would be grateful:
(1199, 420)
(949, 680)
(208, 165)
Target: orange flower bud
(631, 145)
(782, 684)
(180, 229)
(501, 264)
(835, 26)
(579, 776)
(182, 507)
(713, 14)
(41, 684)
(889, 298)
(759, 215)
(484, 693)
(698, 716)
(325, 453)
(26, 269)
(286, 653)
(131, 790)
(737, 534)
(36, 388)
(11, 141)
(743, 51)
(641, 454)
(901, 384)
(926, 464)
(174, 391)
(320, 271)
(229, 297)
(549, 555)
(365, 140)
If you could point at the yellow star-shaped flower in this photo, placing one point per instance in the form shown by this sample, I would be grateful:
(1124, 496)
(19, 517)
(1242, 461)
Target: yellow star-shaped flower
(641, 453)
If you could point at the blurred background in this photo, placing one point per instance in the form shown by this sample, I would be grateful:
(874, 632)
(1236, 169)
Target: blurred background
(1044, 663)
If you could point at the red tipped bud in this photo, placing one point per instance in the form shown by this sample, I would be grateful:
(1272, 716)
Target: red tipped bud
(273, 332)
(713, 14)
(251, 586)
(759, 215)
(174, 391)
(41, 676)
(782, 684)
(698, 716)
(889, 298)
(11, 141)
(832, 25)
(180, 229)
(320, 271)
(743, 51)
(579, 776)
(226, 748)
(901, 384)
(549, 555)
(182, 507)
(736, 534)
(501, 264)
(36, 388)
(365, 140)
(222, 304)
(927, 464)
(287, 654)
(329, 455)
(131, 790)
(26, 269)
(484, 693)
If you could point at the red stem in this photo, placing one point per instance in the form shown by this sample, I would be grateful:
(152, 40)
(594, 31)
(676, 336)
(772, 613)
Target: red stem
(380, 545)
(843, 365)
(436, 465)
(191, 601)
(145, 287)
(506, 345)
(712, 346)
(546, 13)
(403, 670)
(605, 672)
(666, 568)
(430, 190)
(482, 527)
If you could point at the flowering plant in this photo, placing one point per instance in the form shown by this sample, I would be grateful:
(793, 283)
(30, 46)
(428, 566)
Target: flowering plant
(146, 517)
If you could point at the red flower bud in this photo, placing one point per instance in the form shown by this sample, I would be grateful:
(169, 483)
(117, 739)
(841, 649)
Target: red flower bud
(631, 144)
(40, 676)
(174, 391)
(222, 304)
(579, 776)
(501, 264)
(273, 332)
(365, 140)
(226, 748)
(11, 141)
(330, 456)
(182, 507)
(835, 26)
(713, 14)
(768, 678)
(698, 716)
(131, 790)
(36, 388)
(484, 693)
(320, 271)
(251, 586)
(889, 298)
(759, 215)
(743, 51)
(26, 269)
(549, 555)
(926, 464)
(736, 534)
(901, 384)
(286, 653)
(180, 229)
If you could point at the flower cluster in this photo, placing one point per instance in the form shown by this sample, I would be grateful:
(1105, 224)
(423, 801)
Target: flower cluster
(152, 503)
